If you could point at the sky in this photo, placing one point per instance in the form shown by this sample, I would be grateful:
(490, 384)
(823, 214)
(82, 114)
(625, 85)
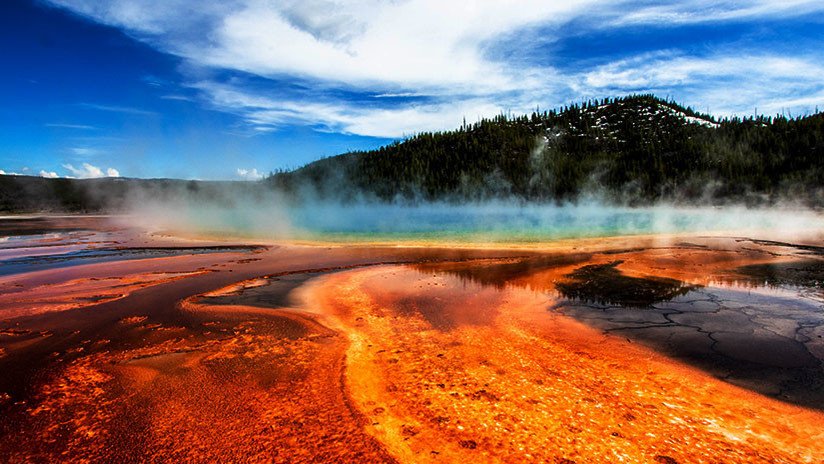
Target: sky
(238, 88)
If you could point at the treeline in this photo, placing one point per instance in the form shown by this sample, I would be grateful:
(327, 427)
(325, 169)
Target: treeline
(635, 149)
(29, 194)
(632, 150)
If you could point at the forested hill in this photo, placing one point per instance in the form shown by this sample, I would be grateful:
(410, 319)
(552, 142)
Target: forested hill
(632, 150)
(635, 149)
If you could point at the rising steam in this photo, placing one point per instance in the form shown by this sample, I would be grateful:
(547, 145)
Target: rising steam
(254, 212)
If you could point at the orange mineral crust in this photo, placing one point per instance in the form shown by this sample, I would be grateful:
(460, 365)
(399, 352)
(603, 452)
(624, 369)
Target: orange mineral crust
(157, 375)
(447, 370)
(128, 347)
(78, 293)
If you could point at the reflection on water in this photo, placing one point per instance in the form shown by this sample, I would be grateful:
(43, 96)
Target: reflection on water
(74, 257)
(807, 273)
(604, 284)
(759, 326)
(503, 272)
(12, 226)
(519, 223)
(441, 301)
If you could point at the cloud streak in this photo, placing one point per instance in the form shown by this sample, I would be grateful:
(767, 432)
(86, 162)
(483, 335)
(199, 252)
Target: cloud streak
(83, 151)
(118, 109)
(71, 126)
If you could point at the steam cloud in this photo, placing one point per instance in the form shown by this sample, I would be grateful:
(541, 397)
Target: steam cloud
(252, 211)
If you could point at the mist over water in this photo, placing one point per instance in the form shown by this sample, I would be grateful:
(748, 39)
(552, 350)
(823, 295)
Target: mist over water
(268, 217)
(500, 222)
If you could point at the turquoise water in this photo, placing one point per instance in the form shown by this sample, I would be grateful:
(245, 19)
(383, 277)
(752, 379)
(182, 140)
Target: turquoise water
(532, 223)
(476, 223)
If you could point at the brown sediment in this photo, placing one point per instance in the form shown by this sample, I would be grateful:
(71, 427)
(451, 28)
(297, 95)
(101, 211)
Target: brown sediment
(339, 354)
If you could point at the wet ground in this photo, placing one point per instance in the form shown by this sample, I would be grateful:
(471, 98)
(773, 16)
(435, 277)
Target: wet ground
(760, 326)
(448, 369)
(28, 245)
(157, 349)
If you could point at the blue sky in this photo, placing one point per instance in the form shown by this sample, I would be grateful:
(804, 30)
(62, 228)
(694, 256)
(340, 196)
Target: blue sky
(237, 88)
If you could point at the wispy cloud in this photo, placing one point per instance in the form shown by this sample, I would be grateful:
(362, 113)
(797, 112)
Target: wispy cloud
(88, 171)
(264, 113)
(728, 84)
(176, 97)
(84, 151)
(71, 126)
(118, 109)
(714, 11)
(356, 43)
(725, 84)
(424, 64)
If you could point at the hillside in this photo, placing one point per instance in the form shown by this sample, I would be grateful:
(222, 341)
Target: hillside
(632, 150)
(28, 194)
(635, 149)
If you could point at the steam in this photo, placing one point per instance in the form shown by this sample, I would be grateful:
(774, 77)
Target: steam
(252, 211)
(240, 209)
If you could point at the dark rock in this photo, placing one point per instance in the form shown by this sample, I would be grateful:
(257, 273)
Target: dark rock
(665, 459)
(468, 444)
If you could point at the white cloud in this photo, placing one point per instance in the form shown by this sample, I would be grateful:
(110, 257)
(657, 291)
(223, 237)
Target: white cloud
(726, 84)
(87, 171)
(416, 44)
(249, 174)
(709, 11)
(83, 151)
(670, 69)
(357, 43)
(442, 55)
(48, 174)
(265, 113)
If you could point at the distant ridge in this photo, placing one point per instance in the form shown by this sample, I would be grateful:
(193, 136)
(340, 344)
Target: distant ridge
(633, 150)
(29, 194)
